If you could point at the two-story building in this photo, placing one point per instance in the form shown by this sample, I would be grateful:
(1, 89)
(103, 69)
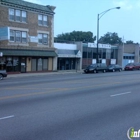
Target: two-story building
(27, 36)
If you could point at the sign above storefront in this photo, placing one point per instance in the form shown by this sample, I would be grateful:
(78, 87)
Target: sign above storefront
(93, 45)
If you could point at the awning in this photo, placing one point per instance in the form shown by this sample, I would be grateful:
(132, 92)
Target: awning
(12, 52)
(69, 53)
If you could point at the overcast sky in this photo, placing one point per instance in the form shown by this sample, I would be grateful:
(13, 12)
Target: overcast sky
(81, 15)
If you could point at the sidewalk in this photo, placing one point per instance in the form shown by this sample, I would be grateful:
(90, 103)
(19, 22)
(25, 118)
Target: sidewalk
(43, 73)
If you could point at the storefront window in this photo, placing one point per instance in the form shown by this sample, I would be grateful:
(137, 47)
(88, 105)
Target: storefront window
(66, 63)
(9, 64)
(2, 63)
(33, 65)
(39, 64)
(15, 63)
(45, 64)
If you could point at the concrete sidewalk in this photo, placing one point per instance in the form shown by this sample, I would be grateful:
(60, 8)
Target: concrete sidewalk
(44, 73)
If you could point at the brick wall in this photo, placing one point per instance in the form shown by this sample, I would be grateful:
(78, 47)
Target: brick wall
(31, 25)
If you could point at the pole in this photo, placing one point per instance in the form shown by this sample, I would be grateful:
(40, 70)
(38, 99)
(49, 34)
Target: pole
(98, 18)
(97, 53)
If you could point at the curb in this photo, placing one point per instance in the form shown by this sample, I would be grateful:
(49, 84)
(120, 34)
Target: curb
(40, 74)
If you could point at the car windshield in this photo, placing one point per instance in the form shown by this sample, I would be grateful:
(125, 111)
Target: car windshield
(110, 66)
(90, 66)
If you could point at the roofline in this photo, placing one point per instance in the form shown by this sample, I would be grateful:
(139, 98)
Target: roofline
(28, 8)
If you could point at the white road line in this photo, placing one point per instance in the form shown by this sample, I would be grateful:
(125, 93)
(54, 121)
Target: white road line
(7, 117)
(120, 94)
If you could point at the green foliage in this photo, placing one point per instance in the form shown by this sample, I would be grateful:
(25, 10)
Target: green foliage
(75, 36)
(110, 38)
(129, 42)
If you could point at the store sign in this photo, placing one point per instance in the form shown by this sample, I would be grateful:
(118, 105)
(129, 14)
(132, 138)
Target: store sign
(4, 33)
(79, 54)
(33, 39)
(1, 54)
(93, 45)
(113, 61)
(93, 61)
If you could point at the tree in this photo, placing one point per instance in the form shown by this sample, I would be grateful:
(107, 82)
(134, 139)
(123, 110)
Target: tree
(75, 36)
(110, 38)
(129, 42)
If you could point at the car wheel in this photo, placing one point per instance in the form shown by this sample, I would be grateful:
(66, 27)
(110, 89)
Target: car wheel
(120, 70)
(113, 70)
(1, 76)
(94, 71)
(104, 71)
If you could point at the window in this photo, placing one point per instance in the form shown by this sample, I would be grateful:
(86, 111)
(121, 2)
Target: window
(42, 38)
(17, 15)
(24, 37)
(12, 35)
(42, 20)
(23, 16)
(45, 20)
(18, 36)
(11, 14)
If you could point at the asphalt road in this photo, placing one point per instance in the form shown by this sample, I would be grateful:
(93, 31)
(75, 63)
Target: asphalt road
(100, 106)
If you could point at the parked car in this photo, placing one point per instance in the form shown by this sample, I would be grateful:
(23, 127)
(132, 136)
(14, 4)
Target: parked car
(94, 68)
(132, 66)
(114, 67)
(3, 74)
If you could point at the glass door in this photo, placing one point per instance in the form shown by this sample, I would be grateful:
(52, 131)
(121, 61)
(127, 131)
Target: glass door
(23, 64)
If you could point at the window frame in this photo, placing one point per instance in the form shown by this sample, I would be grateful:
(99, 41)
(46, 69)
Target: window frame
(43, 20)
(20, 40)
(42, 38)
(15, 15)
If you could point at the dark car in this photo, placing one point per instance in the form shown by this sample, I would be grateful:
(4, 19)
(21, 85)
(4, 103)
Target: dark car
(114, 67)
(132, 66)
(94, 68)
(3, 74)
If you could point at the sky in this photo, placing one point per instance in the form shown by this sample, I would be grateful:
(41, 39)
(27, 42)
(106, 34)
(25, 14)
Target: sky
(81, 15)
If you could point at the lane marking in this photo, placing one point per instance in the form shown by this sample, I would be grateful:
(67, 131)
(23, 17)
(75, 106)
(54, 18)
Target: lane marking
(119, 94)
(7, 117)
(55, 90)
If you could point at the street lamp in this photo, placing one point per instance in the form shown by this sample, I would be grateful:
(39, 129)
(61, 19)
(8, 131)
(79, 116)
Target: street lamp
(98, 18)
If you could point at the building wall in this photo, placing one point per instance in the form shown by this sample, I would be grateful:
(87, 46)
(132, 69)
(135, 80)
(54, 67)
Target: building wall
(31, 27)
(120, 55)
(28, 62)
(50, 64)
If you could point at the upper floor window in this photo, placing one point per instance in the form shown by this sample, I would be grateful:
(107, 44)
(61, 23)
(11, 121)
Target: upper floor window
(23, 16)
(17, 15)
(42, 38)
(42, 20)
(18, 36)
(11, 14)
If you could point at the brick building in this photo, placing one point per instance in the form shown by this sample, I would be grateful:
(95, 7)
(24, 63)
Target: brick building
(26, 36)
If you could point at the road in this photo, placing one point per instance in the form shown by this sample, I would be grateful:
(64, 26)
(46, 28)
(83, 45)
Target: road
(100, 106)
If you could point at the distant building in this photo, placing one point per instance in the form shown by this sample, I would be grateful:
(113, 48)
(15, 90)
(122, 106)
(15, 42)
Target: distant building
(27, 36)
(131, 53)
(108, 54)
(69, 56)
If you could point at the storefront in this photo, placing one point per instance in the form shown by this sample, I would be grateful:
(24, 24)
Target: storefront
(68, 59)
(26, 60)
